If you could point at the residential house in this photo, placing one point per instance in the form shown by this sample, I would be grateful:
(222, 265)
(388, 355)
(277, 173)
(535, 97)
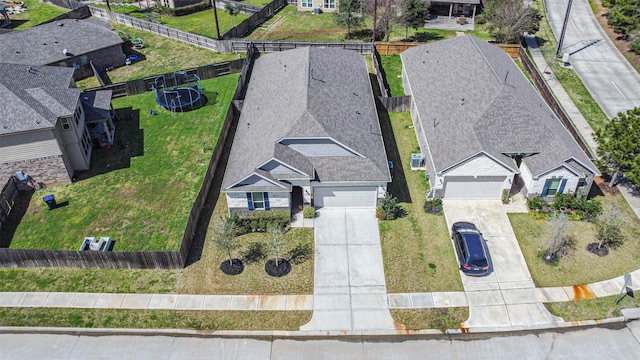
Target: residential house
(483, 128)
(46, 124)
(68, 43)
(308, 134)
(318, 5)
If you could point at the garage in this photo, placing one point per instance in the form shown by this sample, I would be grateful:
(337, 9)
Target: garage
(469, 187)
(343, 196)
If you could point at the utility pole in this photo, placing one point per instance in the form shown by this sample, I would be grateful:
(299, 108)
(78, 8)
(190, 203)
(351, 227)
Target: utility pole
(564, 29)
(375, 13)
(215, 15)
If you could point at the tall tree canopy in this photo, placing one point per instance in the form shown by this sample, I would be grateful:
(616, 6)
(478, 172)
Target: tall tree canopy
(414, 14)
(350, 13)
(619, 146)
(509, 19)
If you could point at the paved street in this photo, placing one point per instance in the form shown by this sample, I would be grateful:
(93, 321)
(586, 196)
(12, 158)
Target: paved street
(618, 342)
(349, 290)
(613, 83)
(507, 296)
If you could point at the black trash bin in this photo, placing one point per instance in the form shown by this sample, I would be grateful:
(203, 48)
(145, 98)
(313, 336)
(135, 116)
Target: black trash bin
(51, 201)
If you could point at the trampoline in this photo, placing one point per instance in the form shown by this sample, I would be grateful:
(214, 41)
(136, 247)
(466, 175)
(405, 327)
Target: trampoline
(183, 95)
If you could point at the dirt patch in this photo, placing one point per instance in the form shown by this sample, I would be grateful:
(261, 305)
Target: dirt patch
(622, 45)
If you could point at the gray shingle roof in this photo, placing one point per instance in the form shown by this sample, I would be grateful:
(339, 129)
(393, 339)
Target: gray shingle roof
(43, 44)
(96, 105)
(310, 93)
(33, 97)
(471, 98)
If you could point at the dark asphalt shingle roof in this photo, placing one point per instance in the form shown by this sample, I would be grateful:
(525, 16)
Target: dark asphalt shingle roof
(33, 97)
(96, 105)
(43, 44)
(310, 93)
(501, 111)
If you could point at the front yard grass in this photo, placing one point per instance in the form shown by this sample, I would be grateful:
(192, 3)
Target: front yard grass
(582, 267)
(160, 55)
(567, 77)
(440, 318)
(592, 309)
(154, 319)
(417, 253)
(140, 192)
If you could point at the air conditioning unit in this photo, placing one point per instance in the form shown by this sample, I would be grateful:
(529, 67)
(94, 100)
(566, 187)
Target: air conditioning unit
(417, 161)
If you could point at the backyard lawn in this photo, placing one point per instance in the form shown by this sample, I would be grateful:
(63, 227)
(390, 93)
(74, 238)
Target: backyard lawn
(37, 13)
(140, 192)
(417, 253)
(392, 67)
(582, 267)
(160, 55)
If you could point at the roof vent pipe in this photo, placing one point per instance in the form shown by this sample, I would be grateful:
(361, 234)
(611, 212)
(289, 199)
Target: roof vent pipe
(462, 101)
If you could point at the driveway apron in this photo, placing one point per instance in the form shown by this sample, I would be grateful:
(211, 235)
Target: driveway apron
(507, 296)
(349, 284)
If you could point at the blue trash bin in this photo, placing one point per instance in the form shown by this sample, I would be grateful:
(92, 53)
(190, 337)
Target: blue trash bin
(51, 201)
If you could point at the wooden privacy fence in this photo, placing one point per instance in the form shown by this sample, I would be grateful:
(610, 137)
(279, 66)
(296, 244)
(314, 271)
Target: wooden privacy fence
(142, 259)
(396, 104)
(7, 198)
(139, 86)
(274, 46)
(255, 20)
(551, 100)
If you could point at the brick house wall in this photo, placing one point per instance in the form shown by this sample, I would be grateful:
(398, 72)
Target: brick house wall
(49, 170)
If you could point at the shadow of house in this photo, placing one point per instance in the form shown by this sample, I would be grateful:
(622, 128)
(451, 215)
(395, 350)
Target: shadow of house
(128, 143)
(20, 207)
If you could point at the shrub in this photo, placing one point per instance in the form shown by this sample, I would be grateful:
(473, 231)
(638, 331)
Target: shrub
(259, 221)
(481, 19)
(390, 208)
(380, 214)
(506, 196)
(433, 206)
(586, 209)
(537, 203)
(634, 45)
(309, 212)
(609, 229)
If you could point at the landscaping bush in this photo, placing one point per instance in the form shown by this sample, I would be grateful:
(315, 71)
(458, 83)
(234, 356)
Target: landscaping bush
(259, 221)
(537, 203)
(609, 229)
(389, 209)
(309, 212)
(577, 205)
(634, 45)
(433, 206)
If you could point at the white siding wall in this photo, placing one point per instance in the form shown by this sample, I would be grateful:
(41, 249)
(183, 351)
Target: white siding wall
(317, 3)
(570, 186)
(239, 200)
(28, 145)
(525, 174)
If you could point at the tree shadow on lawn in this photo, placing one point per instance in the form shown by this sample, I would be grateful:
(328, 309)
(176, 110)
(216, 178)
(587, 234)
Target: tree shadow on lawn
(128, 143)
(19, 209)
(425, 36)
(398, 186)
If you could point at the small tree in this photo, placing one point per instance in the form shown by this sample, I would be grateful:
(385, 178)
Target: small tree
(609, 229)
(233, 10)
(559, 242)
(276, 242)
(414, 14)
(509, 19)
(350, 13)
(618, 148)
(389, 208)
(225, 237)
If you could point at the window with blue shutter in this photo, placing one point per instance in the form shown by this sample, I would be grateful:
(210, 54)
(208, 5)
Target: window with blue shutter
(562, 184)
(249, 201)
(266, 201)
(545, 189)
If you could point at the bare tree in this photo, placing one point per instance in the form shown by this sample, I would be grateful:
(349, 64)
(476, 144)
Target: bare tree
(276, 242)
(509, 19)
(225, 237)
(559, 242)
(388, 16)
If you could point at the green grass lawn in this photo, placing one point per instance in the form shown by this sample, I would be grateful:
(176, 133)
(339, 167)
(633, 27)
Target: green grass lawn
(593, 309)
(160, 55)
(154, 319)
(582, 267)
(567, 77)
(441, 319)
(416, 249)
(201, 22)
(37, 13)
(392, 67)
(139, 193)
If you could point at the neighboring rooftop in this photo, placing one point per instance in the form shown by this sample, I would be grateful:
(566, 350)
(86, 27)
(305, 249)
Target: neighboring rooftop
(33, 97)
(472, 97)
(44, 44)
(309, 93)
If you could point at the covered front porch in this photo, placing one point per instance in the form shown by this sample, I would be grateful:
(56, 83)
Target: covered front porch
(457, 15)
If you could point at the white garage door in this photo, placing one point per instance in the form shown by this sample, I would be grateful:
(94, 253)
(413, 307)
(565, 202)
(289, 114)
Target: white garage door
(345, 196)
(468, 187)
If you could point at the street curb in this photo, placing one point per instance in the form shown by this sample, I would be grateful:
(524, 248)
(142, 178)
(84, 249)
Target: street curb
(307, 335)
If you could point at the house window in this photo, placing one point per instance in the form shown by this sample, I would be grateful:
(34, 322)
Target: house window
(66, 125)
(76, 115)
(329, 4)
(258, 201)
(307, 3)
(553, 186)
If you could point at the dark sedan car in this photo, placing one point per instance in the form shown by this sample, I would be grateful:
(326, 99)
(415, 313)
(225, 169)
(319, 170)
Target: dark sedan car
(473, 255)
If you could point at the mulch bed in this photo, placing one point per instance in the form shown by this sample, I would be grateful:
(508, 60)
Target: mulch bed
(600, 251)
(282, 269)
(234, 267)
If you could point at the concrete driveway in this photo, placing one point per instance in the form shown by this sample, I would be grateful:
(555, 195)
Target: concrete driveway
(349, 290)
(604, 71)
(507, 296)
